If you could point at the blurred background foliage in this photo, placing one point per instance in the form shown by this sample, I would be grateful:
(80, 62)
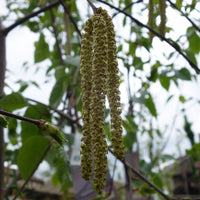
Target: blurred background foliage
(157, 83)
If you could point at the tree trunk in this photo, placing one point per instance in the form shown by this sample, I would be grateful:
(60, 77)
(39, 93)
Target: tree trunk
(2, 76)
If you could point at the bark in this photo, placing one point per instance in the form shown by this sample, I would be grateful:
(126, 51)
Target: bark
(2, 76)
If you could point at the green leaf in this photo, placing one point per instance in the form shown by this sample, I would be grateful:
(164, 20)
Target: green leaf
(179, 4)
(132, 125)
(150, 105)
(183, 74)
(107, 130)
(33, 25)
(146, 189)
(191, 56)
(137, 63)
(193, 5)
(34, 112)
(124, 21)
(41, 49)
(11, 155)
(145, 167)
(28, 130)
(12, 134)
(196, 147)
(182, 99)
(166, 157)
(154, 72)
(57, 92)
(157, 180)
(70, 139)
(132, 48)
(55, 179)
(129, 127)
(165, 82)
(12, 102)
(54, 132)
(30, 154)
(194, 43)
(73, 60)
(145, 43)
(60, 72)
(57, 158)
(3, 121)
(129, 139)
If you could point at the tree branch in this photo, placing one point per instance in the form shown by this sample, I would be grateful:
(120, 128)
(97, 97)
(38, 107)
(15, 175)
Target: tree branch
(57, 111)
(128, 6)
(71, 18)
(113, 175)
(92, 6)
(33, 121)
(143, 178)
(67, 29)
(168, 41)
(55, 32)
(29, 16)
(74, 83)
(126, 164)
(175, 7)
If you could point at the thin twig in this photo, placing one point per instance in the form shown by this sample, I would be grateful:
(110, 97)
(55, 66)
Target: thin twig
(28, 179)
(185, 15)
(71, 103)
(67, 29)
(71, 18)
(33, 121)
(168, 41)
(92, 6)
(29, 16)
(128, 182)
(113, 175)
(143, 178)
(55, 32)
(128, 6)
(57, 111)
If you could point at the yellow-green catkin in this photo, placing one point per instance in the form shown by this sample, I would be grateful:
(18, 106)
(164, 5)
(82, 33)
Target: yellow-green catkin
(151, 22)
(162, 12)
(97, 105)
(86, 84)
(113, 93)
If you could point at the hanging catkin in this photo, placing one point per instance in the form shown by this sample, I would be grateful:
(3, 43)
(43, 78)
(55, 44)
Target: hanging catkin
(99, 77)
(162, 12)
(97, 105)
(151, 22)
(86, 84)
(113, 93)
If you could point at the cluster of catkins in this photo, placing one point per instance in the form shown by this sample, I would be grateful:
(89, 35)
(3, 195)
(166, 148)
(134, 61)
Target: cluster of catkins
(162, 13)
(99, 77)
